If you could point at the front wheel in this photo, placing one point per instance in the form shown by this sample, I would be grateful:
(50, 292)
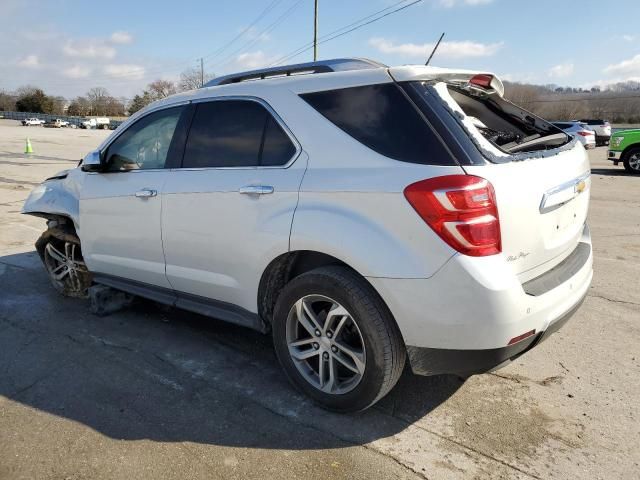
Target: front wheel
(336, 340)
(62, 258)
(632, 161)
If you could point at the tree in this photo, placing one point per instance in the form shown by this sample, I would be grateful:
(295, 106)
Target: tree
(114, 107)
(34, 100)
(7, 101)
(521, 94)
(58, 105)
(161, 89)
(139, 101)
(97, 98)
(190, 79)
(80, 107)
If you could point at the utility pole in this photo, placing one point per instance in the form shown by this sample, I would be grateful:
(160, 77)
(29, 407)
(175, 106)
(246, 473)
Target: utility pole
(434, 49)
(315, 31)
(201, 72)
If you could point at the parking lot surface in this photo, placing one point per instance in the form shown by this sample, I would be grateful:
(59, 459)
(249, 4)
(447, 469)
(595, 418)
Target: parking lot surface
(151, 392)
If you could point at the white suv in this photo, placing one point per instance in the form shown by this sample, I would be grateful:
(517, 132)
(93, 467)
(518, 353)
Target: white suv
(362, 214)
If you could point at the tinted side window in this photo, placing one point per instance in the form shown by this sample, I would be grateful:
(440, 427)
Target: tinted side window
(144, 144)
(383, 119)
(225, 134)
(277, 148)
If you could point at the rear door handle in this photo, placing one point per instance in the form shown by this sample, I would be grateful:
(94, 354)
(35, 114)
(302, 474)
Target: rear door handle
(146, 193)
(256, 189)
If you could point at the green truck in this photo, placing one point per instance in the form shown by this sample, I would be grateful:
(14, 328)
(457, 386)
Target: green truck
(624, 147)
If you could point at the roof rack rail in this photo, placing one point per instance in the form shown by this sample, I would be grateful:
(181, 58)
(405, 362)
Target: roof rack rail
(324, 66)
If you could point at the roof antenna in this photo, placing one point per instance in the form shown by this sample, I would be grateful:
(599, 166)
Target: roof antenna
(434, 49)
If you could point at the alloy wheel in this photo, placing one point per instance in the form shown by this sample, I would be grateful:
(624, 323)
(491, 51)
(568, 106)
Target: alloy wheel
(65, 266)
(325, 344)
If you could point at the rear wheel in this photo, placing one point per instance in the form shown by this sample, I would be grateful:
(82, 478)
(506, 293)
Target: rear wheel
(336, 340)
(62, 258)
(632, 161)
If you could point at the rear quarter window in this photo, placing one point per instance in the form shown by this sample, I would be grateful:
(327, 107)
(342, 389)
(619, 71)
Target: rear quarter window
(382, 118)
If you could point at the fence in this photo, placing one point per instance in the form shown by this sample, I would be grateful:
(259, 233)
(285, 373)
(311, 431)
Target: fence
(50, 118)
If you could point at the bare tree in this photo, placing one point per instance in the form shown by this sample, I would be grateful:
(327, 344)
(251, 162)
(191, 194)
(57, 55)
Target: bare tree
(523, 94)
(191, 79)
(7, 101)
(161, 89)
(97, 98)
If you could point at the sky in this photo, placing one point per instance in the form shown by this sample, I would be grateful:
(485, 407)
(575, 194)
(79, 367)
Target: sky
(67, 47)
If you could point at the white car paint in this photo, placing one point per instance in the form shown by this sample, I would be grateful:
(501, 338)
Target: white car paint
(120, 232)
(601, 127)
(201, 236)
(33, 122)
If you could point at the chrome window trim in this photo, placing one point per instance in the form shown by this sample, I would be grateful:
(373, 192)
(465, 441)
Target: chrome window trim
(252, 98)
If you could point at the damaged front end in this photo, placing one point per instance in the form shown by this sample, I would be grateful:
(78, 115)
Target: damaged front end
(57, 200)
(58, 197)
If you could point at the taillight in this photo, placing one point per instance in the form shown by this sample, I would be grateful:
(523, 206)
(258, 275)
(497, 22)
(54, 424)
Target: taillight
(481, 80)
(461, 209)
(585, 134)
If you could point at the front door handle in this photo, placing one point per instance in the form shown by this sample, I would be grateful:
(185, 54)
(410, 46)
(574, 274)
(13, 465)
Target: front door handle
(146, 193)
(256, 189)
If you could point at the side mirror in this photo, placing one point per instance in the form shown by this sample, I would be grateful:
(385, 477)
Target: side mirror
(92, 162)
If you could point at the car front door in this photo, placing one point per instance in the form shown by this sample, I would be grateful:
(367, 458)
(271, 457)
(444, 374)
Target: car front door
(120, 207)
(228, 211)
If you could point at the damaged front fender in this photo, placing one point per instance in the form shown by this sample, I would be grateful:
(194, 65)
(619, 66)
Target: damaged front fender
(56, 197)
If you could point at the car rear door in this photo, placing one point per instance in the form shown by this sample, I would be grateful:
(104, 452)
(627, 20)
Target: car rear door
(120, 207)
(228, 211)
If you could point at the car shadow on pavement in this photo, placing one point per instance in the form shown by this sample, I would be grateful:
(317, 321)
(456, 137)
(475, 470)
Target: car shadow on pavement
(167, 375)
(614, 172)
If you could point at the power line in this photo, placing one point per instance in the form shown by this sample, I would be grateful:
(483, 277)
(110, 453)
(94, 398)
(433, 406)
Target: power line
(302, 49)
(229, 58)
(135, 72)
(268, 9)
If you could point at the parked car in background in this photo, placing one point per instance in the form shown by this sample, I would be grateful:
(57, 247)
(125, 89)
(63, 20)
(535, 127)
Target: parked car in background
(580, 130)
(354, 211)
(57, 123)
(602, 129)
(32, 122)
(625, 147)
(98, 122)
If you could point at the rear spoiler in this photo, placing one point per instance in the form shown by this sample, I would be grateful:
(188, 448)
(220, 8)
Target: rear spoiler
(461, 78)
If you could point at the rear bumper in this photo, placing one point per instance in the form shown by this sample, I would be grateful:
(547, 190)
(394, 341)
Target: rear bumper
(434, 361)
(462, 319)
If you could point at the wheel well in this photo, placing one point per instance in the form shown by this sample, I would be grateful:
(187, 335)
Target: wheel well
(626, 151)
(282, 270)
(58, 226)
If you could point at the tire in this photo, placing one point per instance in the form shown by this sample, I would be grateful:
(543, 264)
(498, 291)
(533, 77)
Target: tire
(62, 258)
(632, 161)
(366, 340)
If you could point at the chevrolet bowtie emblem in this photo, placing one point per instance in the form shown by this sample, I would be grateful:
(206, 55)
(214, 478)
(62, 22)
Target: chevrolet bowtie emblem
(580, 186)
